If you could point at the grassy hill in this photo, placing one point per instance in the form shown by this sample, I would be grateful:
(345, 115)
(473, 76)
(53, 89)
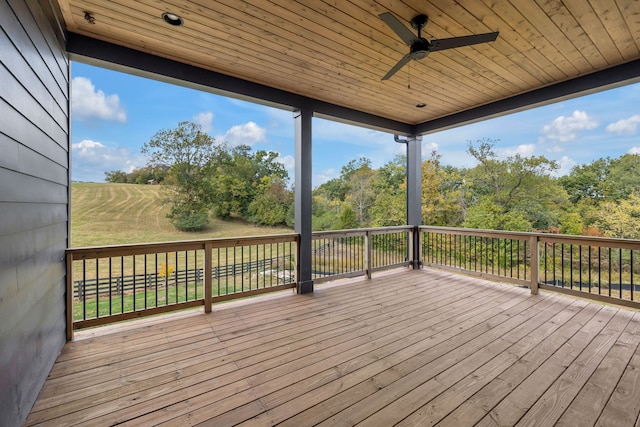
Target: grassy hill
(109, 214)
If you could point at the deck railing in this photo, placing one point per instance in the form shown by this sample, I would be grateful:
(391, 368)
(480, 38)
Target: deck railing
(113, 283)
(598, 268)
(489, 253)
(349, 253)
(593, 267)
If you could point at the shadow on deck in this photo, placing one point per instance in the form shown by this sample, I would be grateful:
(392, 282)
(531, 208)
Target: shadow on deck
(409, 347)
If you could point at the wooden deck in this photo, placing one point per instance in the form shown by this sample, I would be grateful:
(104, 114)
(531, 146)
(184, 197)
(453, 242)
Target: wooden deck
(406, 348)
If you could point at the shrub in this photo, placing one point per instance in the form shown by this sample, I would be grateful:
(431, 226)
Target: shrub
(190, 220)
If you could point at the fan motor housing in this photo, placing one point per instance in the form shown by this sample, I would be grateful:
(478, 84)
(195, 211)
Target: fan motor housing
(419, 50)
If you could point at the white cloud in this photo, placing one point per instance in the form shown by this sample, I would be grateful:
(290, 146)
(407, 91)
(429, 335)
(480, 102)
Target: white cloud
(324, 176)
(245, 134)
(566, 164)
(565, 129)
(86, 148)
(205, 120)
(555, 149)
(288, 162)
(634, 150)
(91, 159)
(524, 150)
(625, 126)
(428, 148)
(87, 103)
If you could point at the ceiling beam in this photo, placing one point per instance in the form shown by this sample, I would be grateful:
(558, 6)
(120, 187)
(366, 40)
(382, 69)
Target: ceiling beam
(107, 55)
(610, 78)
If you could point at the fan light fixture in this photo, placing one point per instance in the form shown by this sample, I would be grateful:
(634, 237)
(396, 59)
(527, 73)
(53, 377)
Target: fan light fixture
(172, 19)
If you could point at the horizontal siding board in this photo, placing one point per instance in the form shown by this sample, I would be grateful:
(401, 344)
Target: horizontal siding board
(32, 272)
(8, 282)
(17, 247)
(14, 316)
(17, 187)
(16, 127)
(36, 165)
(10, 150)
(13, 93)
(55, 34)
(39, 42)
(26, 216)
(29, 79)
(21, 159)
(33, 340)
(45, 263)
(15, 32)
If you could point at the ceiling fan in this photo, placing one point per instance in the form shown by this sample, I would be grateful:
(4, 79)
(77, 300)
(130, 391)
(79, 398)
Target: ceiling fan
(420, 47)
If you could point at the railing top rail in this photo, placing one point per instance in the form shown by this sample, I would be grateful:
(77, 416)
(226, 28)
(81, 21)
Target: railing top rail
(543, 237)
(519, 235)
(92, 252)
(362, 231)
(590, 241)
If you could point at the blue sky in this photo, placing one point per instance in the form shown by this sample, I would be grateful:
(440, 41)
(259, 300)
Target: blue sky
(114, 113)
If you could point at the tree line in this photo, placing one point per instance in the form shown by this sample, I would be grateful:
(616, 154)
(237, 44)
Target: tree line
(515, 193)
(204, 177)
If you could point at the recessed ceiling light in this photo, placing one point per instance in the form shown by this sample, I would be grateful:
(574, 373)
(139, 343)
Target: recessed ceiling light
(172, 19)
(421, 105)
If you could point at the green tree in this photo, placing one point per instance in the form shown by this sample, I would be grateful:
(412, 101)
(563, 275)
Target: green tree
(325, 212)
(116, 176)
(620, 218)
(571, 223)
(518, 192)
(236, 177)
(622, 179)
(442, 193)
(348, 219)
(585, 182)
(271, 204)
(187, 151)
(389, 208)
(360, 194)
(389, 185)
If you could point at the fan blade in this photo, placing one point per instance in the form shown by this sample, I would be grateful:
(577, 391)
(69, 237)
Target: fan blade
(396, 67)
(454, 42)
(403, 32)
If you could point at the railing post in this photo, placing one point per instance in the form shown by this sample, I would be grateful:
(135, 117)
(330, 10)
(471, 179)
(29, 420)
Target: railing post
(367, 253)
(208, 277)
(535, 264)
(415, 249)
(69, 298)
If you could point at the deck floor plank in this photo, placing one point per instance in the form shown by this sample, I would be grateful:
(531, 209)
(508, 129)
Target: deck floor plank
(405, 348)
(523, 397)
(588, 405)
(549, 322)
(299, 364)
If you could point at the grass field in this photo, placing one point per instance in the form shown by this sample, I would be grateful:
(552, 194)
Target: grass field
(110, 214)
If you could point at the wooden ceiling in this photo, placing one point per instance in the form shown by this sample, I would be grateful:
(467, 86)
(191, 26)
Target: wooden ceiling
(338, 50)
